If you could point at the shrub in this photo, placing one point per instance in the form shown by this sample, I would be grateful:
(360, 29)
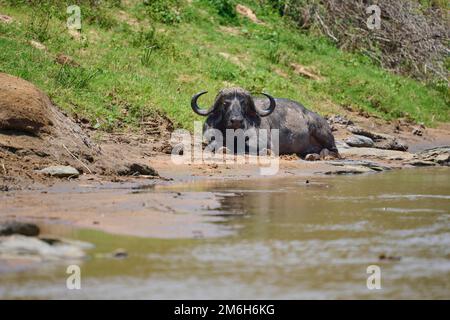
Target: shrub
(225, 8)
(165, 11)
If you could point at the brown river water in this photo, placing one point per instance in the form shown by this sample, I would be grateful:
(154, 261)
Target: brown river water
(274, 239)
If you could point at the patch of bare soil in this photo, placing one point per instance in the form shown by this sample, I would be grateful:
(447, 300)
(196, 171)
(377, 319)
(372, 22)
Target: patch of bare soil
(35, 134)
(305, 71)
(230, 30)
(248, 13)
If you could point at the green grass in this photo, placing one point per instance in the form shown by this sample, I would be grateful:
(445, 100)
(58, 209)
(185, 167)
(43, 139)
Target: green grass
(155, 65)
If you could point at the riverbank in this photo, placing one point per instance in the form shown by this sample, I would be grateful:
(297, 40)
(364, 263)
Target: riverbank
(51, 163)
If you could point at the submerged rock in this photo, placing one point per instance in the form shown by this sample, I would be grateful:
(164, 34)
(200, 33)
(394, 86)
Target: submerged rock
(359, 141)
(60, 171)
(14, 227)
(45, 249)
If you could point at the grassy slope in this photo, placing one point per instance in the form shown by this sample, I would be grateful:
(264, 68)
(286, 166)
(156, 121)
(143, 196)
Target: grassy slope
(188, 57)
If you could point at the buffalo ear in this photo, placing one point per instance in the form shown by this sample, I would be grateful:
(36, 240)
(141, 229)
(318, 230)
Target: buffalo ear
(217, 105)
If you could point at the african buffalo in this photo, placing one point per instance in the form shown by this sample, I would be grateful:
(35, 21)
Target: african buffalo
(300, 131)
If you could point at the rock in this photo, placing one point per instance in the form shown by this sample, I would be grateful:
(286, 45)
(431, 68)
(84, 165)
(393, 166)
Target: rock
(18, 246)
(359, 141)
(369, 164)
(391, 143)
(350, 170)
(381, 140)
(390, 258)
(439, 155)
(342, 145)
(120, 254)
(66, 60)
(337, 119)
(134, 169)
(417, 132)
(37, 45)
(442, 159)
(15, 227)
(376, 153)
(5, 19)
(312, 157)
(420, 163)
(60, 171)
(363, 132)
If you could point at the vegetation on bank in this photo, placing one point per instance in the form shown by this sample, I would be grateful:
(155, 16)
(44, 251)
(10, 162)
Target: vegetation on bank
(134, 59)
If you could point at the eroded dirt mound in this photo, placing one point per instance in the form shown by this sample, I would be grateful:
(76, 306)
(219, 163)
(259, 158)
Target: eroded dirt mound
(23, 107)
(34, 134)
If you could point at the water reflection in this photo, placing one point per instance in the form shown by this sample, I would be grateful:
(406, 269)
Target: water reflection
(291, 239)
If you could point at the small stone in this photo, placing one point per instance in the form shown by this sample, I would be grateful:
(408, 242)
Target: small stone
(339, 120)
(5, 19)
(359, 141)
(417, 132)
(390, 258)
(312, 157)
(60, 171)
(135, 169)
(66, 60)
(120, 254)
(38, 45)
(15, 227)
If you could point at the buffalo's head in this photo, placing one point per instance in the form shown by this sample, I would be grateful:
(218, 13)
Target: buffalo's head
(234, 108)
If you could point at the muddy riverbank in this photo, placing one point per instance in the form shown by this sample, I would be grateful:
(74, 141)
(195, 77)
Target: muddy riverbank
(50, 163)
